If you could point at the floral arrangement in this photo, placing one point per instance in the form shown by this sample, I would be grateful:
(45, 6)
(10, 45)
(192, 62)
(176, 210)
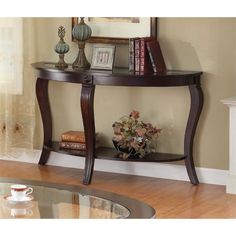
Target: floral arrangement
(132, 137)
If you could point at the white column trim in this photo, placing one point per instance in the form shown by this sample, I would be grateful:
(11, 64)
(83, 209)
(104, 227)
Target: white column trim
(231, 182)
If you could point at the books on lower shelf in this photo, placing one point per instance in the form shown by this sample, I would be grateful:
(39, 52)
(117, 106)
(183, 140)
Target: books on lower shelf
(74, 140)
(145, 55)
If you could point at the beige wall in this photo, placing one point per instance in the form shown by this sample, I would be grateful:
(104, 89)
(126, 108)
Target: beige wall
(205, 44)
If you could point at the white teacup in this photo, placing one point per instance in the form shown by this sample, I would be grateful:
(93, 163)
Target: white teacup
(20, 192)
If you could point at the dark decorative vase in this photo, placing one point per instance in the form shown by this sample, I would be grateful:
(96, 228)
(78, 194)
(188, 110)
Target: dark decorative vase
(132, 153)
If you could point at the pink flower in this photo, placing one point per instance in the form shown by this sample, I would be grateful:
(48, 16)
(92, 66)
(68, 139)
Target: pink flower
(134, 114)
(141, 131)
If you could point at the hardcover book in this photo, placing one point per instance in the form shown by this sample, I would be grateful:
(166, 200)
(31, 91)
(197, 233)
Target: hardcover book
(156, 56)
(73, 136)
(145, 61)
(136, 54)
(73, 145)
(131, 54)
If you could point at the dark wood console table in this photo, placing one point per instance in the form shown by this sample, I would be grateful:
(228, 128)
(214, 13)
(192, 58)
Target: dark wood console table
(118, 77)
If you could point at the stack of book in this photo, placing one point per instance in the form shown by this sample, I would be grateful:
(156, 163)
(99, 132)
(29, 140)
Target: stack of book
(74, 140)
(145, 55)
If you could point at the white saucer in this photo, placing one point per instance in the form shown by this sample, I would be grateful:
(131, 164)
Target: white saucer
(26, 199)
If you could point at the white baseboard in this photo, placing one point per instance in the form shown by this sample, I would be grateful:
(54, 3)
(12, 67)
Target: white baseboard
(158, 170)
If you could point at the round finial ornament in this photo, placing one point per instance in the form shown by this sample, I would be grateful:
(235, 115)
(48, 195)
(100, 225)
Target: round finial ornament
(81, 32)
(61, 48)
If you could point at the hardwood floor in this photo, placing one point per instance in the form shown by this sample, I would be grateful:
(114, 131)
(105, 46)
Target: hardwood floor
(171, 199)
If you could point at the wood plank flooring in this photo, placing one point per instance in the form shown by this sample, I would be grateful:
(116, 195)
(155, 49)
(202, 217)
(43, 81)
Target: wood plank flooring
(171, 199)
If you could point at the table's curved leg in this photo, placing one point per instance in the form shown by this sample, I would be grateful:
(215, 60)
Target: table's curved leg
(87, 104)
(194, 114)
(43, 101)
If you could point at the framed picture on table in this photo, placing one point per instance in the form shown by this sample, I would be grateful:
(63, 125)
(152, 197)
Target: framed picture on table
(103, 56)
(118, 30)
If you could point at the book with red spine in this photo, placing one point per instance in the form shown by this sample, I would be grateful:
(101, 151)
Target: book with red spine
(145, 62)
(137, 54)
(156, 56)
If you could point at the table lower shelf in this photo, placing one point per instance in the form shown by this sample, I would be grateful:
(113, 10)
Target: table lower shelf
(108, 153)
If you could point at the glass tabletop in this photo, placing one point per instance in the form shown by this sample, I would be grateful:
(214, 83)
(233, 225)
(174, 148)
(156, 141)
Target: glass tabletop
(54, 201)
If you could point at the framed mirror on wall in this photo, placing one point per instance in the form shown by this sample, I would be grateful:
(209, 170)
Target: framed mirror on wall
(118, 30)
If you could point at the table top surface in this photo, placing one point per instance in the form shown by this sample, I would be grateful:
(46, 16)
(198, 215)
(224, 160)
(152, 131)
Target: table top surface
(116, 70)
(116, 76)
(57, 201)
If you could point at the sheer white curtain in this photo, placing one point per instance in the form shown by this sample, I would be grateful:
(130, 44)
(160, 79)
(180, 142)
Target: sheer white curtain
(17, 91)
